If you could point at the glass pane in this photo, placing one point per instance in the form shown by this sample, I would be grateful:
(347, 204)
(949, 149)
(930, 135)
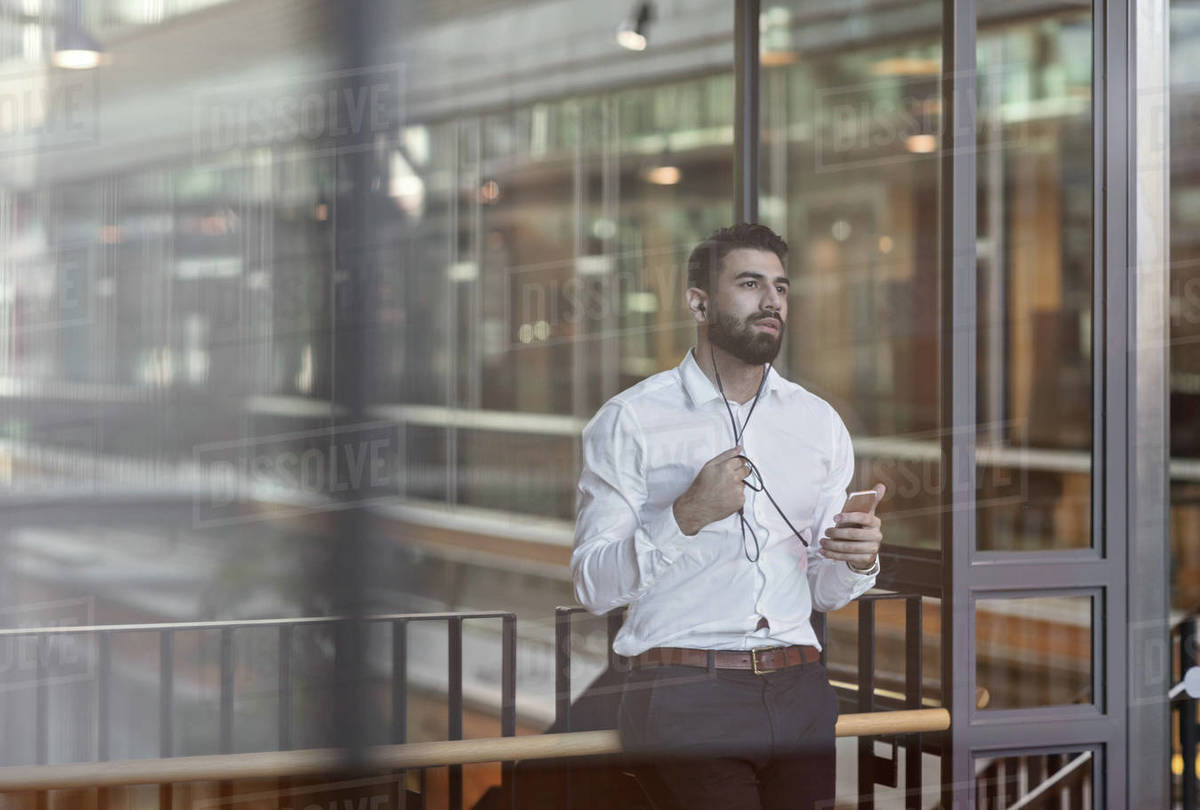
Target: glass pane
(414, 307)
(848, 105)
(542, 244)
(676, 178)
(851, 179)
(1185, 309)
(427, 471)
(1035, 243)
(1006, 781)
(518, 472)
(1034, 651)
(551, 239)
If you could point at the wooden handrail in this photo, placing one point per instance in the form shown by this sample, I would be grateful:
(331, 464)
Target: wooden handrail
(390, 757)
(907, 721)
(96, 629)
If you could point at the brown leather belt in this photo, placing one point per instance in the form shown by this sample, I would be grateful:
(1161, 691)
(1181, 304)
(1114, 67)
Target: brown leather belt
(759, 661)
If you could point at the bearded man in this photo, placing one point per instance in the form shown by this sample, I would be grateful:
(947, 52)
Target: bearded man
(709, 503)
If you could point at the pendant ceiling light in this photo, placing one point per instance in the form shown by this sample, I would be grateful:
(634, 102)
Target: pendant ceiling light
(631, 34)
(74, 47)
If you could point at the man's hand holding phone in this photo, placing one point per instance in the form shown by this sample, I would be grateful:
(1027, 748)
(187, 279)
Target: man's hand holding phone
(856, 535)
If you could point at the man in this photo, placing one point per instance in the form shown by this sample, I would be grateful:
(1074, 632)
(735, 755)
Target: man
(715, 518)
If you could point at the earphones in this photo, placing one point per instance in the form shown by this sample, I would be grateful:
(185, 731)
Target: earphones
(758, 484)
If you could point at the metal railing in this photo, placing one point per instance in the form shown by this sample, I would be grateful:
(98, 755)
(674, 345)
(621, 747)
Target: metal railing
(872, 769)
(399, 623)
(883, 715)
(1035, 780)
(169, 769)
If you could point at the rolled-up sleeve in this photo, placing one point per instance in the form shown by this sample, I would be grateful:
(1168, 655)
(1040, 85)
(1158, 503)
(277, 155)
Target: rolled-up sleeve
(832, 583)
(620, 547)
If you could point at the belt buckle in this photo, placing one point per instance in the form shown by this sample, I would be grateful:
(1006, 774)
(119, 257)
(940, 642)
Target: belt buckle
(754, 660)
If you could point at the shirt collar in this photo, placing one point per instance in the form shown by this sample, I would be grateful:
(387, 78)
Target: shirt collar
(701, 389)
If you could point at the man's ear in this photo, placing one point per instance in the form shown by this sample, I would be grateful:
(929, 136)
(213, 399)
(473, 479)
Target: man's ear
(697, 301)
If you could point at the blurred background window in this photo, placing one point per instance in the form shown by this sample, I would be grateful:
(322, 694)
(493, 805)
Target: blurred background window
(172, 296)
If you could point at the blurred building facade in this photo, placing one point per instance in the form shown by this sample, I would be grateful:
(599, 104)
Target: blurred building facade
(173, 293)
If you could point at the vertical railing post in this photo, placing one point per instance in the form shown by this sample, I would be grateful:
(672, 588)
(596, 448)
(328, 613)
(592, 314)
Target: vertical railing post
(1054, 763)
(1075, 794)
(562, 686)
(166, 678)
(284, 682)
(614, 620)
(166, 689)
(562, 669)
(866, 701)
(399, 681)
(1035, 769)
(226, 690)
(225, 788)
(103, 677)
(42, 720)
(990, 788)
(508, 702)
(914, 636)
(400, 702)
(1012, 787)
(456, 706)
(285, 687)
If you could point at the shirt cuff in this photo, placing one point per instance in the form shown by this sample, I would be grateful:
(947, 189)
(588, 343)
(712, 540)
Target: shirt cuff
(870, 572)
(663, 532)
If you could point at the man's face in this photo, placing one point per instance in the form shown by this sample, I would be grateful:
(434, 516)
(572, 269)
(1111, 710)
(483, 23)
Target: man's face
(749, 306)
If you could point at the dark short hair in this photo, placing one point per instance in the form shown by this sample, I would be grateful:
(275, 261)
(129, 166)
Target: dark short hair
(705, 261)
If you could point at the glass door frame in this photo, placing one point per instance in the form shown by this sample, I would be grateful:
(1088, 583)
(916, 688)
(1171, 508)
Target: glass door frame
(1129, 418)
(1126, 567)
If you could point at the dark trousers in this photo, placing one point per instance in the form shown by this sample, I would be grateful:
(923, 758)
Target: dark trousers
(724, 738)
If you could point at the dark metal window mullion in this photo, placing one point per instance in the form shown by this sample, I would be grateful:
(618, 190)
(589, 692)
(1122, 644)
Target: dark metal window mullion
(958, 315)
(746, 90)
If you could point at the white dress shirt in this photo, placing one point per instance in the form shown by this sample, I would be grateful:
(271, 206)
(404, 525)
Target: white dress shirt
(643, 449)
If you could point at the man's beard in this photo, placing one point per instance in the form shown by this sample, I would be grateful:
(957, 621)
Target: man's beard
(743, 341)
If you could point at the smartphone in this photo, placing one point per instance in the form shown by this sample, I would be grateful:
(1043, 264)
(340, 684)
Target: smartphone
(863, 501)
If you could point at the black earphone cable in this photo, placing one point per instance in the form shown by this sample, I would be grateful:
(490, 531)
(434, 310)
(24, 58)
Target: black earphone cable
(761, 485)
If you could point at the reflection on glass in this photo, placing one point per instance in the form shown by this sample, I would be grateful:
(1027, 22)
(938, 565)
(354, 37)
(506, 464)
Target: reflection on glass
(851, 178)
(850, 174)
(1006, 781)
(551, 238)
(512, 471)
(426, 468)
(1035, 282)
(155, 306)
(1034, 651)
(1185, 309)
